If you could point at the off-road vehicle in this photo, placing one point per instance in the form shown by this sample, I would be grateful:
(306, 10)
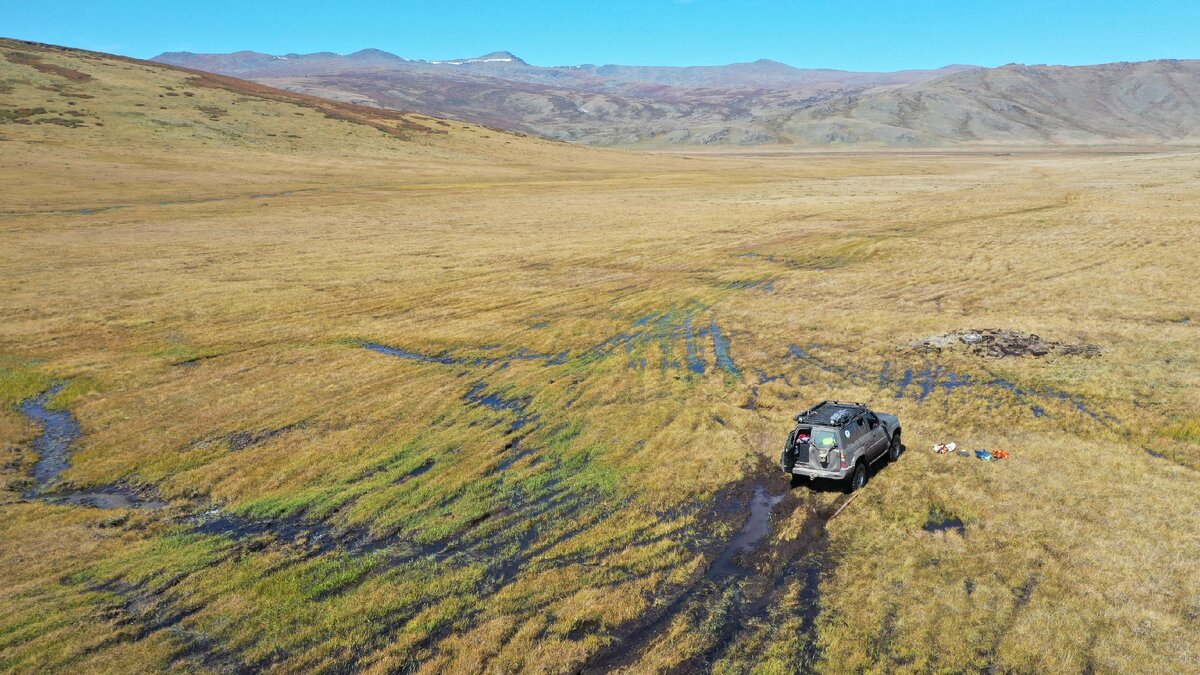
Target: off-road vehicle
(839, 441)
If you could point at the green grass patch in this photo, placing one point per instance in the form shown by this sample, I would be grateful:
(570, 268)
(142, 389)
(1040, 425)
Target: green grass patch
(20, 380)
(1187, 431)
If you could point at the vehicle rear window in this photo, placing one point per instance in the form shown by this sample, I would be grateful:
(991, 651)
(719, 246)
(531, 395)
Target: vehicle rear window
(824, 439)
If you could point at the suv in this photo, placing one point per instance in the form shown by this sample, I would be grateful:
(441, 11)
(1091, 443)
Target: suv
(839, 440)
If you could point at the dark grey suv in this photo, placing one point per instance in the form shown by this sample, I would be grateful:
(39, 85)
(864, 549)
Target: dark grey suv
(838, 440)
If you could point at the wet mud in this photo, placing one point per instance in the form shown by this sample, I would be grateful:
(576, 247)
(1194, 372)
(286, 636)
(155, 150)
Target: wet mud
(655, 337)
(148, 610)
(764, 285)
(111, 497)
(448, 359)
(241, 440)
(87, 211)
(411, 356)
(762, 378)
(295, 531)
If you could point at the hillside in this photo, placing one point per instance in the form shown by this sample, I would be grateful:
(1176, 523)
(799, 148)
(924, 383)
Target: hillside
(100, 110)
(597, 105)
(508, 66)
(294, 386)
(756, 103)
(1147, 102)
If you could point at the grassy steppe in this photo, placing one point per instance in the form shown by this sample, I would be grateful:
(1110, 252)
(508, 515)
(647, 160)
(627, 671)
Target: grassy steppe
(589, 361)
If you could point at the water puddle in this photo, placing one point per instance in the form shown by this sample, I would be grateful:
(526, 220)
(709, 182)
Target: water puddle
(694, 363)
(667, 330)
(478, 395)
(721, 350)
(920, 384)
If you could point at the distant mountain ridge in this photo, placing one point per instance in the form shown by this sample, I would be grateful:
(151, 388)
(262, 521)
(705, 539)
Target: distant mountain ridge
(1143, 102)
(759, 102)
(257, 64)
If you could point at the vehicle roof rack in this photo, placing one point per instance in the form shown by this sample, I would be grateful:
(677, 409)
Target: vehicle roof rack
(834, 413)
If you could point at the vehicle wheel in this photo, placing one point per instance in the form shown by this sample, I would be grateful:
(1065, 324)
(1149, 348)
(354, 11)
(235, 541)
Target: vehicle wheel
(857, 479)
(894, 448)
(797, 481)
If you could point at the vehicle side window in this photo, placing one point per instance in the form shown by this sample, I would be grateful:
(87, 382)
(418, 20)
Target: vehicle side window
(872, 420)
(855, 430)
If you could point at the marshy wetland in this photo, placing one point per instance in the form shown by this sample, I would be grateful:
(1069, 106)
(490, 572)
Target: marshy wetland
(399, 395)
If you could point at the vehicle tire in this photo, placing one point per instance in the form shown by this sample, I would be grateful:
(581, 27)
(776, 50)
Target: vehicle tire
(894, 448)
(858, 479)
(797, 480)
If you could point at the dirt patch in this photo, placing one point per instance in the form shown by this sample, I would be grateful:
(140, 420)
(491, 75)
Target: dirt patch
(1002, 343)
(240, 440)
(35, 62)
(109, 497)
(390, 122)
(214, 112)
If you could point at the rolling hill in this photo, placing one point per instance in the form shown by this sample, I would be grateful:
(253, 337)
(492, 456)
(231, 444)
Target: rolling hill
(1132, 103)
(598, 105)
(99, 109)
(763, 102)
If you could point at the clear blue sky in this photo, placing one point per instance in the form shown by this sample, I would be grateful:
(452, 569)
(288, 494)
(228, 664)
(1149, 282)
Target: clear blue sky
(851, 35)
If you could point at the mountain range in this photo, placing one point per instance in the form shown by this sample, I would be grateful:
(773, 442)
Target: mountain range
(762, 102)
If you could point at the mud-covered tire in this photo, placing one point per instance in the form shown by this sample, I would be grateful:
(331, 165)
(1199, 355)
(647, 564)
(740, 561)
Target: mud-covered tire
(894, 448)
(858, 479)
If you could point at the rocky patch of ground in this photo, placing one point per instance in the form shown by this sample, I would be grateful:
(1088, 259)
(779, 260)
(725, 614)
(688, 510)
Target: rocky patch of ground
(1003, 343)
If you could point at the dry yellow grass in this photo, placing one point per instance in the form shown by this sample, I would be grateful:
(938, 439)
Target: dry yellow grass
(399, 524)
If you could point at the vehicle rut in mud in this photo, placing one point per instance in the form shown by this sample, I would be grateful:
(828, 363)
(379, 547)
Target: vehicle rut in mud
(743, 585)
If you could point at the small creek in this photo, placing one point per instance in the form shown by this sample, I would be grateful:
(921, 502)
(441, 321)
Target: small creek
(60, 431)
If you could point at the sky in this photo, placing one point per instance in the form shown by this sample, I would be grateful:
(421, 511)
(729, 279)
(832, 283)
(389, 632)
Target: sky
(871, 35)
